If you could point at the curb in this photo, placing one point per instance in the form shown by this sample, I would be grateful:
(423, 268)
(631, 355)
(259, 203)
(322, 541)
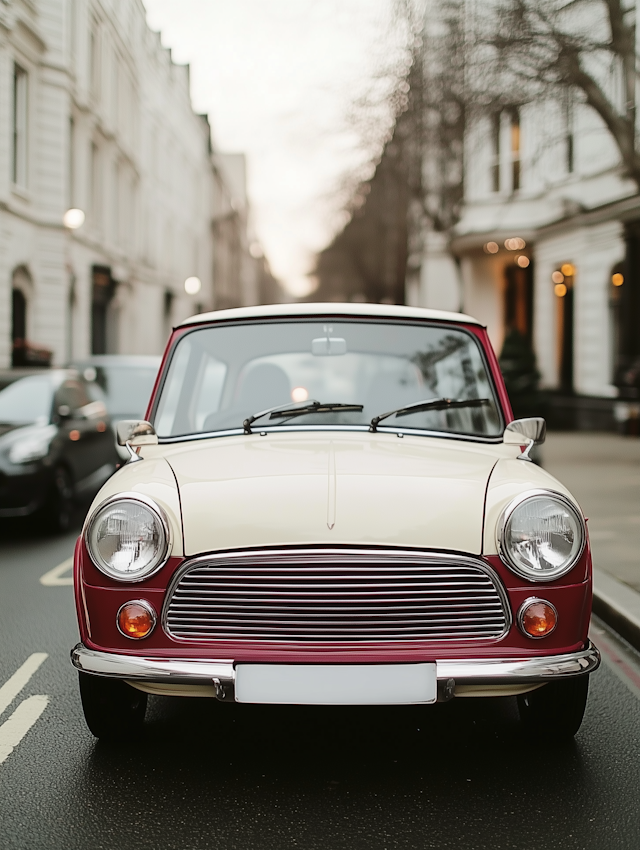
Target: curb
(618, 605)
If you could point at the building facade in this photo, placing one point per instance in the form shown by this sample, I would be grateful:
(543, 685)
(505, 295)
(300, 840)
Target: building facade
(240, 269)
(95, 116)
(545, 246)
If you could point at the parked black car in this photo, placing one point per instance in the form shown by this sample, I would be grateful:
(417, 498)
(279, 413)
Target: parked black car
(126, 380)
(56, 444)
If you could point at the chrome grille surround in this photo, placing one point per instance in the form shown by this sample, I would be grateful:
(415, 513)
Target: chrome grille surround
(312, 596)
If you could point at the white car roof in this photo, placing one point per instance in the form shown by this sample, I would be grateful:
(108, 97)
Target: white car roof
(389, 311)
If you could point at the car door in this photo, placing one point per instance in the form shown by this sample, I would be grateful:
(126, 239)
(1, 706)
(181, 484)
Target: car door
(87, 438)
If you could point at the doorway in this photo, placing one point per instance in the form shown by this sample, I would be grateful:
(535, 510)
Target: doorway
(518, 299)
(563, 280)
(103, 290)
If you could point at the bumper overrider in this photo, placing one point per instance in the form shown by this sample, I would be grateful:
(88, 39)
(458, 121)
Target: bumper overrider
(455, 677)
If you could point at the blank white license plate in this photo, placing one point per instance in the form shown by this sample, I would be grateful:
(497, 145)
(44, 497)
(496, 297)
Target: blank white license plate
(336, 684)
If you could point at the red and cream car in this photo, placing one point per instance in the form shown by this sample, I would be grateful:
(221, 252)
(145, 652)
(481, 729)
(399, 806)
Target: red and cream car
(331, 504)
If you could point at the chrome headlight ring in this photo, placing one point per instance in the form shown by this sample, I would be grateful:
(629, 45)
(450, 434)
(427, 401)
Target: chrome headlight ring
(165, 542)
(507, 554)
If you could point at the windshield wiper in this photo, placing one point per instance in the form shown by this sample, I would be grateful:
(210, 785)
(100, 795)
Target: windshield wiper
(429, 404)
(286, 411)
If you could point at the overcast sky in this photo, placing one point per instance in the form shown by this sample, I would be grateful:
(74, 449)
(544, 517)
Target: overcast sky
(277, 79)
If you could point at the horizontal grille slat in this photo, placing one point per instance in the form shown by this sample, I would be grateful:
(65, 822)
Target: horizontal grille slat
(275, 607)
(312, 597)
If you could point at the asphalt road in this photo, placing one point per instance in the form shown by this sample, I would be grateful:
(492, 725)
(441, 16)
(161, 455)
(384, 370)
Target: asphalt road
(206, 775)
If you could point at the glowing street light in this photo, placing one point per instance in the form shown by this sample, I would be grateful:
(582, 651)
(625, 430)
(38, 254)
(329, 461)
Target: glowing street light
(73, 219)
(192, 285)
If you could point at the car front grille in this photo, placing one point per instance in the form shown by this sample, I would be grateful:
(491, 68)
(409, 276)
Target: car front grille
(317, 596)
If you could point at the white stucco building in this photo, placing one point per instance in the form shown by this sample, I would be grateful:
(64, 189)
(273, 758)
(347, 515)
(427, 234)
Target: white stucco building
(94, 115)
(548, 224)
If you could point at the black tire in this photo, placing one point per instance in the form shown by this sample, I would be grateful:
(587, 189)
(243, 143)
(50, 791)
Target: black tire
(555, 711)
(58, 510)
(114, 711)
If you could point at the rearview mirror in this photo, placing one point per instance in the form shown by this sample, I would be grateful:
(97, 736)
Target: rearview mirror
(136, 432)
(328, 346)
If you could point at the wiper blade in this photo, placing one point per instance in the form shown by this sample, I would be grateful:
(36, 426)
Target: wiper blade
(429, 404)
(318, 407)
(299, 408)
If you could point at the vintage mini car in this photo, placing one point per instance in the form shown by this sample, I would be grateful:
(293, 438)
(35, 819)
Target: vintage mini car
(331, 504)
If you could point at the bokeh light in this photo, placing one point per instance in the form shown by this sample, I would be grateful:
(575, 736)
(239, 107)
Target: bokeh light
(192, 285)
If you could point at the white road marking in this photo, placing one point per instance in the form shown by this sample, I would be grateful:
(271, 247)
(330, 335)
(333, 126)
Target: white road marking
(16, 727)
(55, 576)
(16, 683)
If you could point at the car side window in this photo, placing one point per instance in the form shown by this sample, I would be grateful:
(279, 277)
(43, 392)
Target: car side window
(72, 394)
(94, 391)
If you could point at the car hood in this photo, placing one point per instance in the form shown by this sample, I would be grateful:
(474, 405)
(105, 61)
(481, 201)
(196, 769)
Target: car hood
(306, 488)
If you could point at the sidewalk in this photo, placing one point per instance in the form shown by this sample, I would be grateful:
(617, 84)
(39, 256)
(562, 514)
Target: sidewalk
(603, 473)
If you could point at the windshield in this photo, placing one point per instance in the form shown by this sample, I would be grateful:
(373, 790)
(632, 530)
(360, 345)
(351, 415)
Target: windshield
(220, 375)
(27, 401)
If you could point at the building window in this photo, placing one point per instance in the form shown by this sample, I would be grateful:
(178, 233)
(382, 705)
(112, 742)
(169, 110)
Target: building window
(569, 138)
(19, 119)
(167, 314)
(102, 314)
(18, 317)
(515, 149)
(95, 60)
(570, 154)
(496, 123)
(71, 164)
(95, 187)
(116, 220)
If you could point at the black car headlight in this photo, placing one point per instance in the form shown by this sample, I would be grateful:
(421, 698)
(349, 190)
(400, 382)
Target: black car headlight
(128, 537)
(541, 535)
(31, 444)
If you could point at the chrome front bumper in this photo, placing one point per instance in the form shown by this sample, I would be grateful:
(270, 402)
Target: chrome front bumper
(461, 677)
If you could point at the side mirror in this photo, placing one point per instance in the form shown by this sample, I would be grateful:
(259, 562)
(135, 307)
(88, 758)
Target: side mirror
(531, 431)
(136, 432)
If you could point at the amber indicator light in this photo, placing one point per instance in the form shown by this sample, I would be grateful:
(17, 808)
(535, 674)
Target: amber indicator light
(136, 620)
(537, 618)
(74, 435)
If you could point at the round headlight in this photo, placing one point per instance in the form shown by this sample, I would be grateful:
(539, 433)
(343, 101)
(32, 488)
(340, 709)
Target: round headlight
(128, 538)
(541, 536)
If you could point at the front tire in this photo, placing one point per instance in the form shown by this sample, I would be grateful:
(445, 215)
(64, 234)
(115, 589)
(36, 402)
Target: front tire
(113, 710)
(555, 711)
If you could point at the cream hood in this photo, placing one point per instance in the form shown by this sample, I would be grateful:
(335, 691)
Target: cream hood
(301, 488)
